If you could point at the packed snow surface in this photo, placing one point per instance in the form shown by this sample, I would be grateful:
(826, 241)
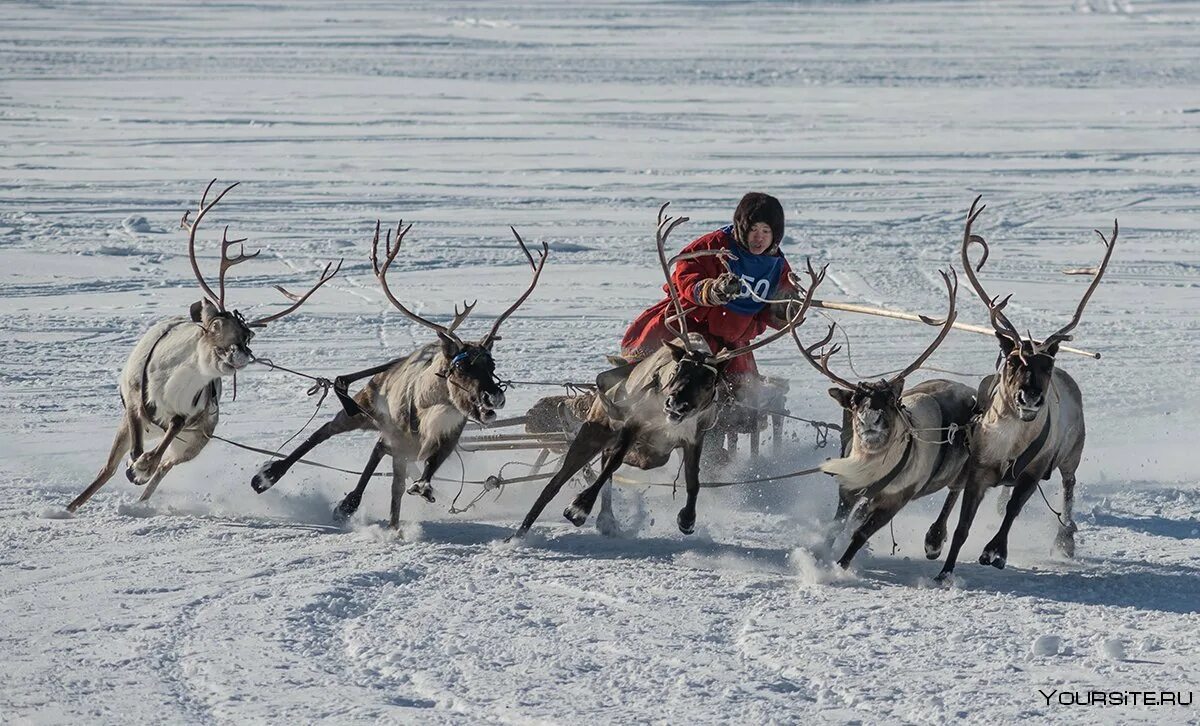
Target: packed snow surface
(875, 123)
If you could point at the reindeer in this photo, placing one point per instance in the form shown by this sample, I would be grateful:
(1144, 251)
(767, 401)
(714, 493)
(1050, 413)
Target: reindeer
(645, 410)
(1030, 420)
(172, 380)
(419, 403)
(905, 444)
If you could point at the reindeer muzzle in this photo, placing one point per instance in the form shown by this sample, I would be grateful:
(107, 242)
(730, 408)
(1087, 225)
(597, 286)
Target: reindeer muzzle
(236, 358)
(1028, 406)
(675, 409)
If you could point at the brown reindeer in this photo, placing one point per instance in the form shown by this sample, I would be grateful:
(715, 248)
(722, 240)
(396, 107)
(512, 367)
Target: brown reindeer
(645, 410)
(1031, 419)
(420, 403)
(172, 381)
(905, 444)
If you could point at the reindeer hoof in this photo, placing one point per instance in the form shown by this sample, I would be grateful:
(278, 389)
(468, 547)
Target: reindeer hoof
(994, 558)
(686, 522)
(1064, 543)
(933, 544)
(138, 473)
(423, 490)
(575, 515)
(265, 478)
(944, 578)
(347, 508)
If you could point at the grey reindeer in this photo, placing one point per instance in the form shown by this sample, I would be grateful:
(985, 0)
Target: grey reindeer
(419, 403)
(1030, 421)
(644, 411)
(171, 384)
(905, 444)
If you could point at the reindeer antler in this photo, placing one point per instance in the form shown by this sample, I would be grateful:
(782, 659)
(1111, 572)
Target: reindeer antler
(1000, 322)
(666, 225)
(1063, 334)
(537, 272)
(815, 278)
(390, 252)
(823, 366)
(459, 317)
(205, 205)
(228, 262)
(951, 281)
(298, 300)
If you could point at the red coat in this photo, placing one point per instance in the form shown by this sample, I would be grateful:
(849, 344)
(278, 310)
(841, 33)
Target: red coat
(722, 328)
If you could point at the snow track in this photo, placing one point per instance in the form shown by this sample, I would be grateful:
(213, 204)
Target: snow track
(875, 123)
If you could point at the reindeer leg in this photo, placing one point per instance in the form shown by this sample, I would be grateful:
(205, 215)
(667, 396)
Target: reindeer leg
(606, 521)
(274, 471)
(399, 470)
(350, 503)
(686, 519)
(880, 514)
(846, 502)
(433, 461)
(996, 551)
(936, 536)
(1065, 541)
(152, 485)
(972, 495)
(142, 470)
(186, 446)
(578, 511)
(119, 446)
(590, 440)
(137, 435)
(1003, 498)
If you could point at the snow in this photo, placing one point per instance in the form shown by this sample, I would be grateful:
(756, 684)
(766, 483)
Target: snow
(875, 123)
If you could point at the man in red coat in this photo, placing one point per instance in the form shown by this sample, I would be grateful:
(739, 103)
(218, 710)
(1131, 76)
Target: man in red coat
(722, 308)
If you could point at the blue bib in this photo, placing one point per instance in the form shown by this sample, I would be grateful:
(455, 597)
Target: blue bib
(760, 272)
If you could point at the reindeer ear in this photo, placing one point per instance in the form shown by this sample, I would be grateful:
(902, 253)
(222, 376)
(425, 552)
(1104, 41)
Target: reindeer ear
(844, 398)
(489, 341)
(897, 387)
(1052, 349)
(450, 347)
(203, 312)
(677, 350)
(1006, 344)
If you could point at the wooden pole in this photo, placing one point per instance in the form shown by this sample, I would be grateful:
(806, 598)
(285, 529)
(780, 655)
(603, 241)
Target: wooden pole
(901, 315)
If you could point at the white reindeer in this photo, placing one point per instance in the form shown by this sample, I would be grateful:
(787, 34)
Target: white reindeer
(171, 384)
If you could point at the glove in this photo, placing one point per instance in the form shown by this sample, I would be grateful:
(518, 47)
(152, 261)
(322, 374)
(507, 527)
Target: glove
(718, 290)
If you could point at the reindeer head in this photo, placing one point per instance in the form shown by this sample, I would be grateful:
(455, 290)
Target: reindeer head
(470, 374)
(469, 370)
(874, 411)
(1024, 376)
(226, 333)
(874, 406)
(689, 385)
(1026, 365)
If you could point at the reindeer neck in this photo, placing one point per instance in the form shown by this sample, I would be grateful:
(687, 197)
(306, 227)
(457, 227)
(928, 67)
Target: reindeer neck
(1001, 435)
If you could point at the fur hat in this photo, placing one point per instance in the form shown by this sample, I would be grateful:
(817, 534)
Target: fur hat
(758, 207)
